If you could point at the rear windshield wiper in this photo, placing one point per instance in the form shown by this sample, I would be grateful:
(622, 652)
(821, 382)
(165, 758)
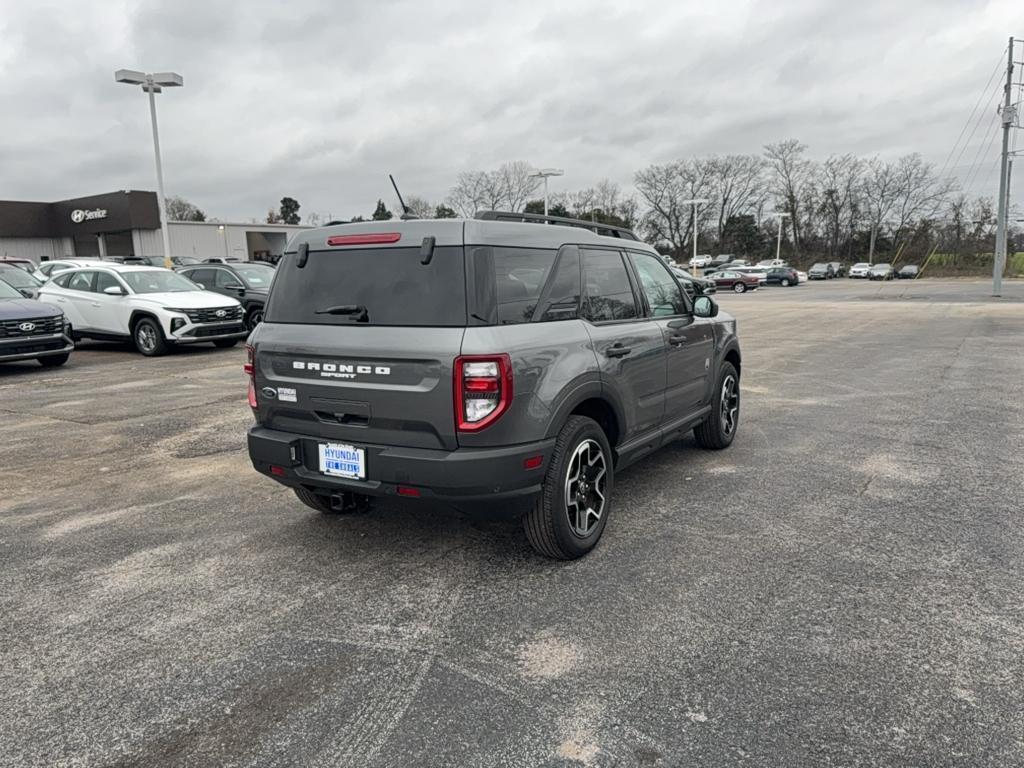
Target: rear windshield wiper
(346, 309)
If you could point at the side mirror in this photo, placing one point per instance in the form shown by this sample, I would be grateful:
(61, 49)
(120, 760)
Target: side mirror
(114, 290)
(705, 306)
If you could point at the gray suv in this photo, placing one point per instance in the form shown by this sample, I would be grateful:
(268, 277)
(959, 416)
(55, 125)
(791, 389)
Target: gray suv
(505, 356)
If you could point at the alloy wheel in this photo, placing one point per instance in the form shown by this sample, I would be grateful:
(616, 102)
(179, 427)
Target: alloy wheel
(146, 337)
(585, 484)
(730, 405)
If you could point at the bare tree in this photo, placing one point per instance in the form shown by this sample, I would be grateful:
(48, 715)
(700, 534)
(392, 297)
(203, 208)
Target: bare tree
(180, 209)
(790, 174)
(476, 190)
(879, 190)
(664, 188)
(839, 184)
(738, 183)
(517, 184)
(420, 208)
(920, 193)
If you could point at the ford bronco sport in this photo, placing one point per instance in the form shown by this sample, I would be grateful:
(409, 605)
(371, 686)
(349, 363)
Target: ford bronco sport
(505, 356)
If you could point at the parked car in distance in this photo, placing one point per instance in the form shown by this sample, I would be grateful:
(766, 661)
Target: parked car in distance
(694, 286)
(784, 276)
(768, 263)
(838, 268)
(24, 282)
(802, 276)
(702, 260)
(32, 330)
(736, 281)
(860, 269)
(881, 271)
(47, 269)
(819, 271)
(12, 261)
(221, 260)
(153, 307)
(908, 272)
(248, 282)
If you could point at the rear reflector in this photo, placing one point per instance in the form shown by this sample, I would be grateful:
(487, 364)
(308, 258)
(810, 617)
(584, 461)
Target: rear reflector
(533, 462)
(404, 490)
(367, 238)
(278, 471)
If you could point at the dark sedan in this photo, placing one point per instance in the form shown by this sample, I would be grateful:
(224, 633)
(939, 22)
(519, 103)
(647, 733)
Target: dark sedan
(32, 330)
(820, 271)
(736, 281)
(908, 272)
(784, 276)
(16, 277)
(245, 281)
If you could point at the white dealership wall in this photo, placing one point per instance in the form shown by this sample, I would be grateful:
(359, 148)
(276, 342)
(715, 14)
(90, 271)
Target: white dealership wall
(36, 248)
(207, 239)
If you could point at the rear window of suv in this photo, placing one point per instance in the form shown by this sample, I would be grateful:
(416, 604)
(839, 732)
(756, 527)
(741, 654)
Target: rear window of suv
(389, 286)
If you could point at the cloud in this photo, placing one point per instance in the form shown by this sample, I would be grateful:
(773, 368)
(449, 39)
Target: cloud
(320, 100)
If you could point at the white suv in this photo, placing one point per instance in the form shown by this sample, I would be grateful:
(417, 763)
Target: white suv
(152, 306)
(700, 261)
(48, 269)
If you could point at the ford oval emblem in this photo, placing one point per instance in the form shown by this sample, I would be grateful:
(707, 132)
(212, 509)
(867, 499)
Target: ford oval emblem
(269, 392)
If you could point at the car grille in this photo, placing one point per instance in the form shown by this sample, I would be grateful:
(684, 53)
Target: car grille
(41, 326)
(211, 316)
(28, 348)
(200, 333)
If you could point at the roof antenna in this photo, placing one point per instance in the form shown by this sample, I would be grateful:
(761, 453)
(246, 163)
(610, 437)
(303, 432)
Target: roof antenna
(406, 213)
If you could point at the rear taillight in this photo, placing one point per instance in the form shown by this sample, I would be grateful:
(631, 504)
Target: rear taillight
(250, 371)
(483, 390)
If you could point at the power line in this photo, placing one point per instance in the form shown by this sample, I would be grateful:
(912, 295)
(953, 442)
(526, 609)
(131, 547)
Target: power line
(983, 150)
(981, 97)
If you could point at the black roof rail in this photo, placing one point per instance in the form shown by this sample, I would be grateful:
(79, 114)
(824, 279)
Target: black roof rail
(608, 230)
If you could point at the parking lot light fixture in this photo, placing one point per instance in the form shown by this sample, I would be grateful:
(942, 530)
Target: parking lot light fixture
(546, 173)
(154, 83)
(695, 202)
(781, 216)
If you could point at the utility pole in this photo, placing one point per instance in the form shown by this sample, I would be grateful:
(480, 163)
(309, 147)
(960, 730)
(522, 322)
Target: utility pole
(1007, 114)
(871, 248)
(694, 202)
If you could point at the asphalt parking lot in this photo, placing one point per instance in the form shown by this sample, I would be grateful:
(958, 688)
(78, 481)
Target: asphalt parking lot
(841, 587)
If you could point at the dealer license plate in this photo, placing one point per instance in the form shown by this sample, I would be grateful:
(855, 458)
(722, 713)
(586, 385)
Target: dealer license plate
(342, 460)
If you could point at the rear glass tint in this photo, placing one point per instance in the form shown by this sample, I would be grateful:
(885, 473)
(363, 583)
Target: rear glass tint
(391, 285)
(520, 274)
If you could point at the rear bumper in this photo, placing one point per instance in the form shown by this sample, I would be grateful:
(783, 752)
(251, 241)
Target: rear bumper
(466, 474)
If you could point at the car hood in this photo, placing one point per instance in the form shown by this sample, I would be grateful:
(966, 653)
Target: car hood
(187, 299)
(16, 309)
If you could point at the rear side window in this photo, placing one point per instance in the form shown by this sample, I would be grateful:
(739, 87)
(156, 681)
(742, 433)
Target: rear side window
(519, 276)
(608, 294)
(370, 286)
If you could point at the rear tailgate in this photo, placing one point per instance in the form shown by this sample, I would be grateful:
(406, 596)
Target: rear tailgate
(359, 385)
(360, 335)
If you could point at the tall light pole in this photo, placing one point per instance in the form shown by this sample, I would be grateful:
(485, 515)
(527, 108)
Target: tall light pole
(694, 202)
(154, 83)
(781, 216)
(546, 173)
(1008, 114)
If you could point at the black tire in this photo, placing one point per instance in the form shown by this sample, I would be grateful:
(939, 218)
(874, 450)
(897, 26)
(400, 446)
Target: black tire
(254, 318)
(149, 338)
(739, 287)
(322, 504)
(718, 430)
(225, 343)
(547, 523)
(53, 360)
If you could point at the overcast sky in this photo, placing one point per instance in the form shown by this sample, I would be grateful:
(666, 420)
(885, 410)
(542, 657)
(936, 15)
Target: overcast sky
(321, 100)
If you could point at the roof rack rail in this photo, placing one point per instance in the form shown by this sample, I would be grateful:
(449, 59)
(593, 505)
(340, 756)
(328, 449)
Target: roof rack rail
(608, 230)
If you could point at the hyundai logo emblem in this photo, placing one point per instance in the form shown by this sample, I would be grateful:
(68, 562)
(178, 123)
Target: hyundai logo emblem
(221, 312)
(26, 327)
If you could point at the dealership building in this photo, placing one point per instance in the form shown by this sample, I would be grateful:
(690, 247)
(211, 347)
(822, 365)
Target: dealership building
(127, 223)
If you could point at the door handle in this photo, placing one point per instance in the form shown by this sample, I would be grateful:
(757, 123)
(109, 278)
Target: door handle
(62, 301)
(96, 304)
(676, 339)
(617, 350)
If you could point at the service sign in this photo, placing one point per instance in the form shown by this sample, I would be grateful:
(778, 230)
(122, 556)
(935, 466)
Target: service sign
(79, 215)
